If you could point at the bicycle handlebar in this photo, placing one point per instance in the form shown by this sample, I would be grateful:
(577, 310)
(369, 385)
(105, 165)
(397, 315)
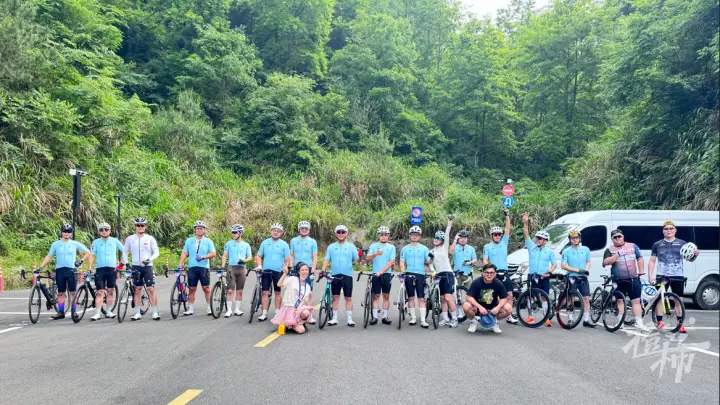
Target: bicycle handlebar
(23, 272)
(326, 274)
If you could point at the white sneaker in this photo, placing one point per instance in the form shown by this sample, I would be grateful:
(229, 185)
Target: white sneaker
(444, 322)
(189, 312)
(424, 324)
(229, 313)
(96, 317)
(413, 321)
(496, 328)
(312, 320)
(156, 316)
(351, 323)
(209, 311)
(238, 312)
(109, 314)
(332, 322)
(473, 326)
(512, 320)
(262, 317)
(136, 317)
(641, 327)
(453, 323)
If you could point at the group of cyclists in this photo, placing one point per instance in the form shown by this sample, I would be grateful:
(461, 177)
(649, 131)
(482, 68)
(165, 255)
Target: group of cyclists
(489, 298)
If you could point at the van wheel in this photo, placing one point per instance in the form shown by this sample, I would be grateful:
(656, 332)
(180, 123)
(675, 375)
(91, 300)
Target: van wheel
(707, 296)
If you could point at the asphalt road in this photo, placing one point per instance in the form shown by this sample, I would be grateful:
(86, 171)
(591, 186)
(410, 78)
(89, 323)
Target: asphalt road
(149, 362)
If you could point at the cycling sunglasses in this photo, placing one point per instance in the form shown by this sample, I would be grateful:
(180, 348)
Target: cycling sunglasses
(140, 226)
(436, 238)
(236, 232)
(617, 237)
(497, 234)
(340, 232)
(669, 228)
(104, 230)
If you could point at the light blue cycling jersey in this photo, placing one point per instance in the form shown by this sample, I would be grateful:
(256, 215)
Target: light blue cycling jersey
(576, 258)
(303, 249)
(105, 251)
(496, 253)
(274, 254)
(66, 253)
(192, 249)
(341, 257)
(388, 255)
(540, 259)
(463, 253)
(237, 251)
(415, 257)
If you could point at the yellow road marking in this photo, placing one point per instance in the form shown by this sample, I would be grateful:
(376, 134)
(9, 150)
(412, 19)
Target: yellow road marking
(273, 336)
(185, 397)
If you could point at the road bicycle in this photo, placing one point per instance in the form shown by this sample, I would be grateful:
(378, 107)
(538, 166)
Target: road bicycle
(218, 295)
(433, 304)
(367, 302)
(39, 288)
(178, 293)
(603, 303)
(127, 295)
(326, 300)
(570, 304)
(82, 298)
(402, 299)
(530, 300)
(257, 291)
(460, 296)
(515, 281)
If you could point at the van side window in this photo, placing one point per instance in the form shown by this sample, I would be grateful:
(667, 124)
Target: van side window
(707, 237)
(642, 236)
(595, 237)
(685, 233)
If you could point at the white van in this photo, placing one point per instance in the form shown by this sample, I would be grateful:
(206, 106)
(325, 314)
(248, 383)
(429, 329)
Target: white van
(642, 228)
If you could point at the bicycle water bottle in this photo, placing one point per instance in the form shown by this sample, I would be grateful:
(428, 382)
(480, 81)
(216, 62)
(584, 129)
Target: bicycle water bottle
(281, 329)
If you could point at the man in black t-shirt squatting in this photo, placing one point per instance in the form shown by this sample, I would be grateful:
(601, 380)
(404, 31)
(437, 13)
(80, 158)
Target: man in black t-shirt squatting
(487, 295)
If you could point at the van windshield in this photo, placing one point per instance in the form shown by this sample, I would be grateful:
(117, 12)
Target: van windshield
(558, 234)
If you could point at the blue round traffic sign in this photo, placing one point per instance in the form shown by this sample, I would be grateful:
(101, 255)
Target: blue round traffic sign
(508, 201)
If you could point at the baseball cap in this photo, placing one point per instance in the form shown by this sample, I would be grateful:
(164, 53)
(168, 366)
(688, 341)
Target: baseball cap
(666, 223)
(488, 321)
(616, 232)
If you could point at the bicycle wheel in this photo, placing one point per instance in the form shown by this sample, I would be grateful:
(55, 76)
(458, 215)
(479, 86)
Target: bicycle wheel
(115, 302)
(461, 297)
(79, 304)
(144, 301)
(596, 303)
(401, 314)
(325, 310)
(436, 308)
(34, 304)
(216, 300)
(255, 302)
(612, 319)
(366, 310)
(629, 319)
(529, 305)
(54, 296)
(671, 305)
(570, 309)
(174, 301)
(123, 303)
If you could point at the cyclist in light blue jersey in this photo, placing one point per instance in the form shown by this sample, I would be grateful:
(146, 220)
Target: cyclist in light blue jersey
(65, 251)
(383, 256)
(413, 258)
(342, 255)
(464, 256)
(541, 261)
(496, 253)
(576, 261)
(304, 249)
(272, 258)
(200, 249)
(105, 249)
(239, 253)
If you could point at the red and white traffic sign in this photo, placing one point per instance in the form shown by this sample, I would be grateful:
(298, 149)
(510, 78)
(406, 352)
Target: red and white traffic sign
(508, 190)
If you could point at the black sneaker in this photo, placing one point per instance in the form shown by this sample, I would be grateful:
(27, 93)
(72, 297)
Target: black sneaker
(386, 321)
(59, 315)
(373, 321)
(588, 324)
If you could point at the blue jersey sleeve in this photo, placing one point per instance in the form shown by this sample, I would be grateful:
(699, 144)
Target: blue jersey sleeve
(485, 252)
(402, 254)
(529, 243)
(473, 254)
(287, 250)
(373, 249)
(261, 251)
(119, 245)
(212, 246)
(565, 255)
(186, 249)
(587, 253)
(355, 254)
(79, 246)
(314, 246)
(637, 252)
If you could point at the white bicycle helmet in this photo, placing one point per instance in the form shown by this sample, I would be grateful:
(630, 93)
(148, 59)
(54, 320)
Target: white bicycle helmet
(415, 229)
(277, 226)
(648, 292)
(687, 251)
(304, 224)
(140, 221)
(341, 228)
(103, 225)
(238, 228)
(543, 234)
(495, 229)
(199, 224)
(383, 229)
(440, 235)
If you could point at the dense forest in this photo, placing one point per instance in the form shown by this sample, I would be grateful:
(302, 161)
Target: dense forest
(261, 111)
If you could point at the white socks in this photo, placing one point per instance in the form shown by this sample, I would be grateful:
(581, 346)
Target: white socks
(423, 311)
(237, 304)
(375, 313)
(385, 312)
(586, 316)
(445, 316)
(265, 312)
(191, 307)
(544, 307)
(412, 313)
(335, 314)
(349, 314)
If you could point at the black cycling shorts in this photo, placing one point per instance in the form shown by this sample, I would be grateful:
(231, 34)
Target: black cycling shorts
(341, 281)
(198, 274)
(104, 278)
(145, 276)
(271, 277)
(676, 284)
(581, 284)
(447, 282)
(505, 279)
(541, 284)
(630, 287)
(382, 284)
(415, 285)
(65, 279)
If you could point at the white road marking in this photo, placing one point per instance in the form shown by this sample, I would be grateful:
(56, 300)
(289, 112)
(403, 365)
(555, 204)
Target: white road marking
(10, 329)
(687, 347)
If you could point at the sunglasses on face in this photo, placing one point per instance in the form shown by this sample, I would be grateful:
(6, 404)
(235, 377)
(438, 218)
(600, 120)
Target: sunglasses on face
(574, 237)
(236, 232)
(617, 237)
(668, 229)
(436, 238)
(66, 232)
(104, 230)
(538, 238)
(496, 234)
(139, 226)
(341, 232)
